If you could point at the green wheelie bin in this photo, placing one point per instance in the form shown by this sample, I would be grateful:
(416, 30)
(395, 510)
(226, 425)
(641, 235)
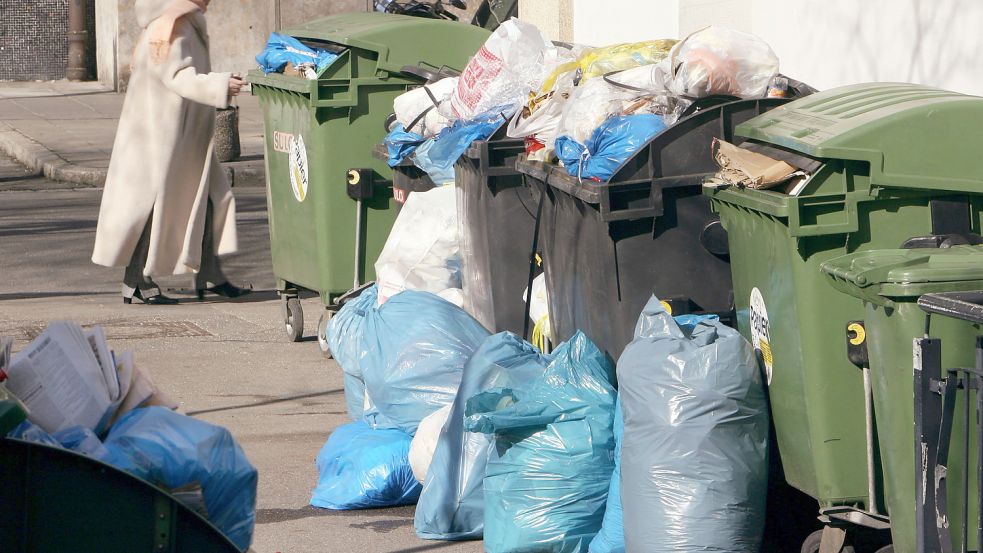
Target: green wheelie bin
(887, 162)
(890, 283)
(330, 205)
(53, 500)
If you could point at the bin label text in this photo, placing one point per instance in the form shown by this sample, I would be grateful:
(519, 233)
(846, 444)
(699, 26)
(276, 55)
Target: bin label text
(282, 142)
(761, 332)
(298, 168)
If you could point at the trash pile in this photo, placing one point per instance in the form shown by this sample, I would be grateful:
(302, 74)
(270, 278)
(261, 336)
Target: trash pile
(285, 54)
(588, 108)
(82, 396)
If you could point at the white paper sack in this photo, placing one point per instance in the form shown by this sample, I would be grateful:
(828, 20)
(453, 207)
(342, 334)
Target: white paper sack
(409, 105)
(422, 251)
(425, 442)
(505, 70)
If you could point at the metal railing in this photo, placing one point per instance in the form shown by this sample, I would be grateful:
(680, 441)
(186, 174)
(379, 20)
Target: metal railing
(939, 391)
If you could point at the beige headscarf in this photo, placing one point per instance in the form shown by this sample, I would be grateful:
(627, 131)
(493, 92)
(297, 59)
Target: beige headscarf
(160, 31)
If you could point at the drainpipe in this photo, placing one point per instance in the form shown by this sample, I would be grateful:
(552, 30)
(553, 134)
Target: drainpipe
(77, 35)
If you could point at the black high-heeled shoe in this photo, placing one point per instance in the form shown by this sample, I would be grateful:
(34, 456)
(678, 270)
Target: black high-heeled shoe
(156, 299)
(225, 289)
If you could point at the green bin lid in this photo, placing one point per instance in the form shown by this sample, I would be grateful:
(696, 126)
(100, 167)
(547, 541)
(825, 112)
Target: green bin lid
(12, 412)
(913, 136)
(879, 276)
(398, 39)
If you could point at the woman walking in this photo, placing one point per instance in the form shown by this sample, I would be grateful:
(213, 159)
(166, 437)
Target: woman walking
(167, 208)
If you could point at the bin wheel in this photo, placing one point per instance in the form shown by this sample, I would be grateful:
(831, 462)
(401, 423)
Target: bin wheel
(815, 539)
(293, 319)
(322, 336)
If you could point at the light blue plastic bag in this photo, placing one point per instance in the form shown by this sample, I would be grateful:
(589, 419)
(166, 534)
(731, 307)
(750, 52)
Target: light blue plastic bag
(343, 334)
(175, 451)
(452, 504)
(611, 538)
(609, 147)
(438, 155)
(362, 468)
(401, 144)
(694, 467)
(546, 484)
(412, 355)
(283, 49)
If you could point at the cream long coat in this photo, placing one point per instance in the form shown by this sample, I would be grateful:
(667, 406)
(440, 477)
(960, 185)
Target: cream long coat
(163, 165)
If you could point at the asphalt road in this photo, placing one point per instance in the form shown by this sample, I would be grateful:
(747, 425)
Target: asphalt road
(226, 362)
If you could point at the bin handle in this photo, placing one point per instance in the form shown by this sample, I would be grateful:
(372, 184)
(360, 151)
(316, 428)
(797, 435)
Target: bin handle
(966, 306)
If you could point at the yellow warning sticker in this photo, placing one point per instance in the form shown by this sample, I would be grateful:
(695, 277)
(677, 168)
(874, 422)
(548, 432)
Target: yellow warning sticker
(666, 306)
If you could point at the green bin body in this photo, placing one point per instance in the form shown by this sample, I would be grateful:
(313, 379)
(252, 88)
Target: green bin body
(889, 282)
(895, 161)
(339, 117)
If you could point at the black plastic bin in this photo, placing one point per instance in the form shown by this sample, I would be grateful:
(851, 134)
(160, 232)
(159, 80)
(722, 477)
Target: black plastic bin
(607, 247)
(497, 214)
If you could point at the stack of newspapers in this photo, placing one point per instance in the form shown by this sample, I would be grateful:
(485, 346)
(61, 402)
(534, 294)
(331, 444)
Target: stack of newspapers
(69, 377)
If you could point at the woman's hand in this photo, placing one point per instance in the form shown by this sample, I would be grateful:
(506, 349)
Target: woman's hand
(235, 85)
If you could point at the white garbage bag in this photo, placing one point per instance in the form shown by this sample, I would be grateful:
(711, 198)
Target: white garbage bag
(425, 442)
(422, 251)
(417, 110)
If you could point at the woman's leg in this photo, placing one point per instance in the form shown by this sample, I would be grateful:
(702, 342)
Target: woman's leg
(133, 277)
(211, 268)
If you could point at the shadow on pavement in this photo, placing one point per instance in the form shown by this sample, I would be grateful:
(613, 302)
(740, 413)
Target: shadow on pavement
(267, 402)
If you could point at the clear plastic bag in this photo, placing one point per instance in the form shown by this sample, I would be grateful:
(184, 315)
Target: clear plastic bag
(717, 60)
(507, 67)
(422, 251)
(694, 469)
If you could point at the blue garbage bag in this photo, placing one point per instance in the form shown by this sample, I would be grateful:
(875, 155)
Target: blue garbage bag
(401, 144)
(412, 355)
(283, 49)
(452, 504)
(77, 438)
(694, 462)
(175, 451)
(609, 147)
(437, 159)
(362, 467)
(546, 484)
(611, 538)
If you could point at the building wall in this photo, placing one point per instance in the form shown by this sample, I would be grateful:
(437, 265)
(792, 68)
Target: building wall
(34, 39)
(238, 30)
(825, 43)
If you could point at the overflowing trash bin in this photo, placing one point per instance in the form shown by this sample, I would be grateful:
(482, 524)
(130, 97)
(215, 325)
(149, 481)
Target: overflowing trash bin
(54, 500)
(329, 205)
(878, 166)
(890, 283)
(607, 246)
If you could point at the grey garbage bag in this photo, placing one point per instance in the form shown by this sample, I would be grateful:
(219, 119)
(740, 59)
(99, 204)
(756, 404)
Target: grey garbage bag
(694, 468)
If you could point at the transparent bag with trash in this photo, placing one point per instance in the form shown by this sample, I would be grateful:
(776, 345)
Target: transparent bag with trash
(422, 251)
(721, 61)
(506, 68)
(694, 469)
(553, 435)
(452, 505)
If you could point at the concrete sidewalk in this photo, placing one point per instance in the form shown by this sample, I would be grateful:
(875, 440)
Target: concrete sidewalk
(65, 131)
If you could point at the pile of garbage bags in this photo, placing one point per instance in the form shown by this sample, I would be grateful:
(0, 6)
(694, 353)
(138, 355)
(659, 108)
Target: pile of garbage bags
(588, 108)
(494, 439)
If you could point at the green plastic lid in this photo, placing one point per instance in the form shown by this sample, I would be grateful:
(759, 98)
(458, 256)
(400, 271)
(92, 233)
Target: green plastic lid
(881, 276)
(913, 136)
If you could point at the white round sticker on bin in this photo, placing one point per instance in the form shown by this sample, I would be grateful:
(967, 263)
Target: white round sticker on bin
(761, 332)
(298, 168)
